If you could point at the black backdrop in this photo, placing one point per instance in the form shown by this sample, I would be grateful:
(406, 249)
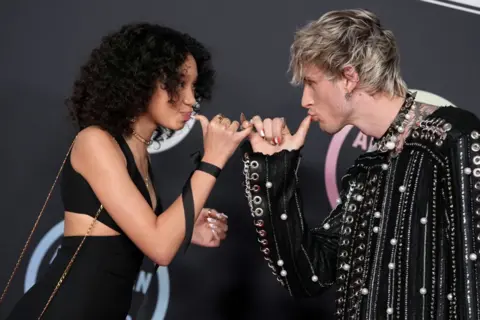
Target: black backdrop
(43, 43)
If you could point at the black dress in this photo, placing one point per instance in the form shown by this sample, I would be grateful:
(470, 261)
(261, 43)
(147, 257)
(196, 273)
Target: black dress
(404, 240)
(100, 281)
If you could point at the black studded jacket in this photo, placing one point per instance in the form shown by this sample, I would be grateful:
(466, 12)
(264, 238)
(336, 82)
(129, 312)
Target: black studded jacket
(404, 240)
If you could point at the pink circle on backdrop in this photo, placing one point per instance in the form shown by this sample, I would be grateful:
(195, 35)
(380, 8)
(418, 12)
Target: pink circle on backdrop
(331, 164)
(338, 139)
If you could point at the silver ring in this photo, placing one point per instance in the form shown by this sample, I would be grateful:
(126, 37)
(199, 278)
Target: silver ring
(259, 212)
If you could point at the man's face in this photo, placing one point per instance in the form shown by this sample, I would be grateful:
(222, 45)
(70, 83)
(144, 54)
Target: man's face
(325, 100)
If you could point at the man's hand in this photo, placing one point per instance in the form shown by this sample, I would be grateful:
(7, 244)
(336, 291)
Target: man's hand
(273, 135)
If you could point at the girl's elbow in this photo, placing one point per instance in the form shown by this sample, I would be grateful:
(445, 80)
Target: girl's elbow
(163, 257)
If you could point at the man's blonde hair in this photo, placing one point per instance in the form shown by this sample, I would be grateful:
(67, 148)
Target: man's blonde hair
(349, 38)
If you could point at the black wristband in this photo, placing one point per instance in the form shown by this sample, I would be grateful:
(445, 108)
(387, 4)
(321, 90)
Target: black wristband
(209, 168)
(187, 199)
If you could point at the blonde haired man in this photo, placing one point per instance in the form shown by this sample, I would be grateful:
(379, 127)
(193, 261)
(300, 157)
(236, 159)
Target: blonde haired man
(404, 240)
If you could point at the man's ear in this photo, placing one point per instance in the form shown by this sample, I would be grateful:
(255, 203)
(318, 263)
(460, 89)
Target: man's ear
(350, 78)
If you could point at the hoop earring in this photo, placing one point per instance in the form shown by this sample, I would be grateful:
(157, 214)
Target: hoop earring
(196, 107)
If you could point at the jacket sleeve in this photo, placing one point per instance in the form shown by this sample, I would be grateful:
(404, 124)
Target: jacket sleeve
(303, 259)
(462, 196)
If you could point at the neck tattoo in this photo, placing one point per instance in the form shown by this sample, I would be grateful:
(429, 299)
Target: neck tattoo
(409, 116)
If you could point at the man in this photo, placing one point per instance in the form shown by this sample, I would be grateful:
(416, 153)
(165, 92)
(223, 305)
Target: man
(404, 239)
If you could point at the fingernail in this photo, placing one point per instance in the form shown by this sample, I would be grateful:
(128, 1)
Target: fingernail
(262, 133)
(212, 226)
(276, 140)
(243, 119)
(223, 214)
(210, 219)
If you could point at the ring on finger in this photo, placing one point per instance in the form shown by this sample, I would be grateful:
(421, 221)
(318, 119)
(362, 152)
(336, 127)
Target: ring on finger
(226, 122)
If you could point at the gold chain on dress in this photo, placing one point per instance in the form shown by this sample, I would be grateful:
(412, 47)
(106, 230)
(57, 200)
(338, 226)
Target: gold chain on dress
(71, 262)
(33, 230)
(34, 227)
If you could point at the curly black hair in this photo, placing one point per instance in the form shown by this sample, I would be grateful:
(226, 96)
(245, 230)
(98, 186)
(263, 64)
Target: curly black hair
(121, 75)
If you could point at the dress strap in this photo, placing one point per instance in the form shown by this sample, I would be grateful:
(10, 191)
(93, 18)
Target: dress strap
(122, 143)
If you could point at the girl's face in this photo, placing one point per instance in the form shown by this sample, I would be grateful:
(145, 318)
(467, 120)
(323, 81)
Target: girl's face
(174, 115)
